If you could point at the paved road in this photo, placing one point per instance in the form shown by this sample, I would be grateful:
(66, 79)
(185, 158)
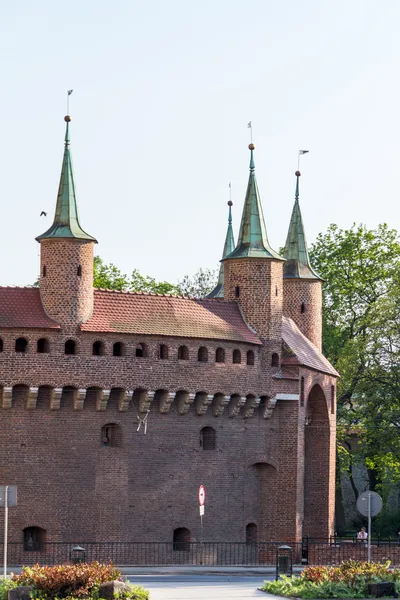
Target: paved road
(199, 587)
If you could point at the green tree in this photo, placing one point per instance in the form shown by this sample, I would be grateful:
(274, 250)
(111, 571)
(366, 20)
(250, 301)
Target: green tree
(200, 284)
(361, 302)
(108, 276)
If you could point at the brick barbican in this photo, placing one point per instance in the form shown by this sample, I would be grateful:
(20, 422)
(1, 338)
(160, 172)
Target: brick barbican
(116, 406)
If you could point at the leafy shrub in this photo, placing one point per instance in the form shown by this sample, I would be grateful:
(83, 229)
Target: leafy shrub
(62, 581)
(349, 580)
(5, 585)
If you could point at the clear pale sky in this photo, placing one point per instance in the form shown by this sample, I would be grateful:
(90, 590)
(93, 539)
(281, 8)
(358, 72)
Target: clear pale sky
(163, 91)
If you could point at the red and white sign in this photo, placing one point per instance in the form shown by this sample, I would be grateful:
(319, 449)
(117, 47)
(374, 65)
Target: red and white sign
(202, 495)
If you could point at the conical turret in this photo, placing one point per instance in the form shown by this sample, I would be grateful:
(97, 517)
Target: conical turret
(66, 256)
(253, 240)
(66, 222)
(218, 291)
(297, 263)
(302, 286)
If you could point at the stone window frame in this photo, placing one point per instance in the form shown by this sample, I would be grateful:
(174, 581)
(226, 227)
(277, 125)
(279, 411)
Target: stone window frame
(250, 358)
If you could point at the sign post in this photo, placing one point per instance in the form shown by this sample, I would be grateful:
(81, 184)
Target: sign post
(5, 530)
(8, 497)
(369, 504)
(202, 499)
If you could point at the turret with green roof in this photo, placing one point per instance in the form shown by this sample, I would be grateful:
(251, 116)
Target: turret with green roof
(297, 263)
(66, 256)
(66, 221)
(253, 240)
(253, 271)
(218, 291)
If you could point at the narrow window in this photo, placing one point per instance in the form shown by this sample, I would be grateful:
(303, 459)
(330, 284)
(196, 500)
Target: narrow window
(111, 435)
(1, 345)
(220, 355)
(70, 347)
(21, 345)
(275, 360)
(183, 353)
(276, 290)
(34, 538)
(118, 349)
(202, 355)
(181, 539)
(163, 352)
(98, 348)
(250, 357)
(236, 357)
(237, 291)
(44, 271)
(303, 308)
(140, 351)
(302, 391)
(332, 399)
(251, 533)
(43, 346)
(207, 438)
(79, 271)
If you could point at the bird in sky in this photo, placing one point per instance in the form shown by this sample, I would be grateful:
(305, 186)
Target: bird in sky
(43, 214)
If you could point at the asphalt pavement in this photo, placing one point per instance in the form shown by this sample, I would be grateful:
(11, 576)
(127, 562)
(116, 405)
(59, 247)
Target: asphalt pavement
(197, 587)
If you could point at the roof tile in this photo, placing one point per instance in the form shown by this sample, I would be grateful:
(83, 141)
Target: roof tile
(149, 314)
(307, 354)
(21, 307)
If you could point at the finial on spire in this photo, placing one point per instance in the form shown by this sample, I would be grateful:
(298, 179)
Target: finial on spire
(251, 148)
(67, 119)
(298, 175)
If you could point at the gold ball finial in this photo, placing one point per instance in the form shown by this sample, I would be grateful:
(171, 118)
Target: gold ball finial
(67, 118)
(251, 146)
(230, 203)
(297, 173)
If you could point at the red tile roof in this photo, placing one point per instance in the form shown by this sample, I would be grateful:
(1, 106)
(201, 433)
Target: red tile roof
(150, 314)
(21, 307)
(307, 354)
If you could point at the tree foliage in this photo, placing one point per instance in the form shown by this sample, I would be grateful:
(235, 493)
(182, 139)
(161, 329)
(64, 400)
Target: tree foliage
(361, 303)
(110, 277)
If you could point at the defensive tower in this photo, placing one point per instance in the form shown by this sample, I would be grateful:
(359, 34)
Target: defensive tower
(66, 255)
(302, 286)
(253, 271)
(229, 246)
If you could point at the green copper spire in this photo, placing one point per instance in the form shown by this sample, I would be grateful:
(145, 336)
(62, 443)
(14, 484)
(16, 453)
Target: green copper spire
(66, 221)
(297, 265)
(253, 240)
(218, 291)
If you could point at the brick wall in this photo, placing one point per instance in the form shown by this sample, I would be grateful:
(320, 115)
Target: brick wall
(67, 297)
(302, 302)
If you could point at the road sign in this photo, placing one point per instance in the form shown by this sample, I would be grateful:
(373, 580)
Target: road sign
(363, 504)
(202, 495)
(201, 507)
(11, 495)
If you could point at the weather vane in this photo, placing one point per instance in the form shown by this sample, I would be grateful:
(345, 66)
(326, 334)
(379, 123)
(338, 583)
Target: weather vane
(69, 92)
(249, 126)
(301, 152)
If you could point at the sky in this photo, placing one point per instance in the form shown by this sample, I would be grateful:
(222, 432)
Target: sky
(163, 92)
